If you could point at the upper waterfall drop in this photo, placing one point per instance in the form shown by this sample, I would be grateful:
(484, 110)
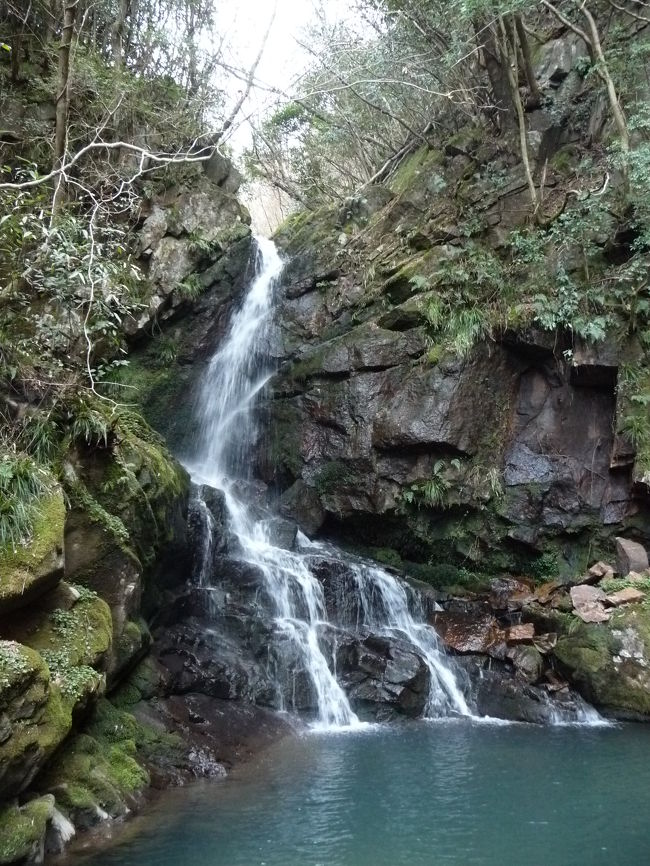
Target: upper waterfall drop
(306, 636)
(237, 373)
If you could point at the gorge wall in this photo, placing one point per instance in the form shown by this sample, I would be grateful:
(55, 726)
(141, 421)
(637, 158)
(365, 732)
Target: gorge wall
(431, 409)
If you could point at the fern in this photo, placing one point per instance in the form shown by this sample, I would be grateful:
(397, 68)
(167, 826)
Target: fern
(22, 483)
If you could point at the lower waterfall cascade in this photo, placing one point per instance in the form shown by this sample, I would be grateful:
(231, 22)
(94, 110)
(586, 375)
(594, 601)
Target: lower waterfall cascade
(307, 630)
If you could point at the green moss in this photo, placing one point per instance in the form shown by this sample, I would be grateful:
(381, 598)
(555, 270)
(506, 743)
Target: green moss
(134, 636)
(333, 476)
(26, 566)
(309, 230)
(387, 556)
(284, 444)
(47, 535)
(100, 767)
(35, 734)
(81, 635)
(143, 683)
(412, 170)
(22, 828)
(151, 383)
(303, 370)
(134, 492)
(565, 160)
(591, 655)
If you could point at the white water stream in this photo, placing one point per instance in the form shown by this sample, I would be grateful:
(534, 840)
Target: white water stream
(236, 375)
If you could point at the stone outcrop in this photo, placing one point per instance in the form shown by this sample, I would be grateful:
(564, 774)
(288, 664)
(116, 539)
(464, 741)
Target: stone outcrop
(630, 556)
(493, 454)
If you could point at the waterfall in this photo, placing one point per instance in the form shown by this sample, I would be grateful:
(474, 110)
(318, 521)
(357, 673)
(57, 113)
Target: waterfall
(228, 435)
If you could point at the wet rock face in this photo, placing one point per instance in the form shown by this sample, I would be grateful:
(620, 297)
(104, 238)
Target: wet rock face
(358, 418)
(383, 676)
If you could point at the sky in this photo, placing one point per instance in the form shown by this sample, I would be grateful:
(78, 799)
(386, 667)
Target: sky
(245, 23)
(242, 25)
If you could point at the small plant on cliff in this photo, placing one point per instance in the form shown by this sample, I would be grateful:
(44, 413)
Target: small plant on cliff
(190, 288)
(90, 423)
(433, 492)
(22, 483)
(165, 350)
(13, 663)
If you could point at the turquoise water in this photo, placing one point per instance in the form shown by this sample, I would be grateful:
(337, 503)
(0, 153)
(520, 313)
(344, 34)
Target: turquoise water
(439, 794)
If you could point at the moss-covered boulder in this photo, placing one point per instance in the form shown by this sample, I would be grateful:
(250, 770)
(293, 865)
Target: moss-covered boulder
(23, 829)
(72, 629)
(29, 569)
(34, 719)
(102, 769)
(127, 524)
(610, 662)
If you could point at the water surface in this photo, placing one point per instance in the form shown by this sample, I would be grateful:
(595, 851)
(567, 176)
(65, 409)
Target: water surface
(425, 794)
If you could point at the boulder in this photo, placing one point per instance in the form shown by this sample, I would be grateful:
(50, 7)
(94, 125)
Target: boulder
(598, 571)
(34, 718)
(498, 691)
(23, 830)
(628, 595)
(508, 593)
(470, 633)
(528, 662)
(302, 504)
(523, 633)
(281, 532)
(557, 57)
(630, 556)
(222, 172)
(588, 603)
(610, 663)
(383, 675)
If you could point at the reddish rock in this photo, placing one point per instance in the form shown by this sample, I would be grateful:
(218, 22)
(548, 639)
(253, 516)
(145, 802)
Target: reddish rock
(466, 633)
(523, 633)
(545, 591)
(508, 593)
(628, 595)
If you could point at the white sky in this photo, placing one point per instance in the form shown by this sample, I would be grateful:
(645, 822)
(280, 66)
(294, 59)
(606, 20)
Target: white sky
(244, 24)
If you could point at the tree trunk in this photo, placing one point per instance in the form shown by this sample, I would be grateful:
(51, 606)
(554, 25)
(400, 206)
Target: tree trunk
(603, 72)
(16, 51)
(522, 36)
(508, 51)
(63, 81)
(117, 32)
(487, 37)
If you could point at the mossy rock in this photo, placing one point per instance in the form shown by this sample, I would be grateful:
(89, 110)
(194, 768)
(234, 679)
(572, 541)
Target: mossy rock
(35, 718)
(609, 662)
(23, 828)
(72, 630)
(104, 767)
(28, 570)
